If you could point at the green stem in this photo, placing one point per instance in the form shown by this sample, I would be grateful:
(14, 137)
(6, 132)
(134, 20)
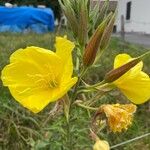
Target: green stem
(69, 138)
(74, 95)
(97, 84)
(67, 103)
(95, 98)
(145, 54)
(102, 86)
(87, 107)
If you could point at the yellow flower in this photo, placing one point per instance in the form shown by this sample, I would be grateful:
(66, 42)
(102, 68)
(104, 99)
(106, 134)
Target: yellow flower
(101, 145)
(134, 84)
(119, 116)
(36, 76)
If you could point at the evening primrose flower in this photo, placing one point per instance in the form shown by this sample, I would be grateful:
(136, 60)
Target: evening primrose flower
(119, 116)
(36, 76)
(134, 84)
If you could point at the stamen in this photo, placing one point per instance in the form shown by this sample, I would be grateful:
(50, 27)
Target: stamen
(45, 81)
(53, 84)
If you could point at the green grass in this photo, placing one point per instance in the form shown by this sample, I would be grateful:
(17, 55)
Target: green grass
(20, 129)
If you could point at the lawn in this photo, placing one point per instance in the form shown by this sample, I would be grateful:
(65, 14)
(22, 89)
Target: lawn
(20, 129)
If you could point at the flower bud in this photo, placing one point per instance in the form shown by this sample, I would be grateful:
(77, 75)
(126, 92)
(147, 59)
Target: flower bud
(76, 13)
(67, 7)
(94, 43)
(107, 33)
(103, 10)
(106, 36)
(101, 145)
(83, 23)
(118, 72)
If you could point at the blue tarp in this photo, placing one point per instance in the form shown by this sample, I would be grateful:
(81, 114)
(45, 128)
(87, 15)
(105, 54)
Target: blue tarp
(24, 19)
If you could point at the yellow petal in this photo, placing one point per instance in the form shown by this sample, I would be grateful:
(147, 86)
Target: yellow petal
(131, 74)
(64, 49)
(66, 84)
(121, 59)
(36, 99)
(138, 89)
(28, 65)
(43, 59)
(30, 53)
(135, 84)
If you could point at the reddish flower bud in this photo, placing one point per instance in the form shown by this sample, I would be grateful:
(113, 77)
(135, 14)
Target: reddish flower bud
(94, 43)
(118, 72)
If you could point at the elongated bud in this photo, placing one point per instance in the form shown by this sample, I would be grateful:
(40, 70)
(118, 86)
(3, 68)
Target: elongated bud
(67, 7)
(94, 43)
(102, 12)
(106, 37)
(76, 13)
(101, 145)
(107, 33)
(83, 23)
(118, 72)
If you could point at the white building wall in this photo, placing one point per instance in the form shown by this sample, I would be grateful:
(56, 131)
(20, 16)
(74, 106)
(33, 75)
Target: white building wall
(140, 16)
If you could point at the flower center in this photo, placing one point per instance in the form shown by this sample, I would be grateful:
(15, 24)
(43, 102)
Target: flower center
(53, 84)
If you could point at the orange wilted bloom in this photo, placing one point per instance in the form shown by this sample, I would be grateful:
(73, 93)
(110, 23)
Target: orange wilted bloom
(119, 116)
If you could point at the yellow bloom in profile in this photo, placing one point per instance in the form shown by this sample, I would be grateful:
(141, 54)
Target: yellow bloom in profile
(36, 76)
(119, 116)
(134, 84)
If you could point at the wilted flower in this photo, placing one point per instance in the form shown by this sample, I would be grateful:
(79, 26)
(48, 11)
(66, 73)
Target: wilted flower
(119, 116)
(135, 84)
(36, 76)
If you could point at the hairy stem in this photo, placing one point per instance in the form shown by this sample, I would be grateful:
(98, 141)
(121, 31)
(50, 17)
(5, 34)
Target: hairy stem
(73, 97)
(69, 138)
